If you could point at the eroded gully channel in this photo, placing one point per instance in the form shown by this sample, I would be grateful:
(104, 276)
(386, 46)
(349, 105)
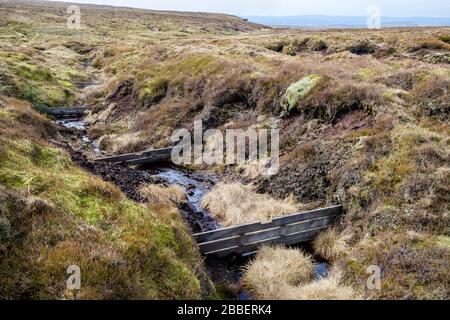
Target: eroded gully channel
(224, 271)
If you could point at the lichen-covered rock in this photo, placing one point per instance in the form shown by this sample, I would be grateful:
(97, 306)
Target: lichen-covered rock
(297, 91)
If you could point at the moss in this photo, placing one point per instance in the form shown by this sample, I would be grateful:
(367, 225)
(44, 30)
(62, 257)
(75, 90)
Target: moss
(153, 90)
(444, 38)
(32, 72)
(396, 95)
(443, 241)
(367, 73)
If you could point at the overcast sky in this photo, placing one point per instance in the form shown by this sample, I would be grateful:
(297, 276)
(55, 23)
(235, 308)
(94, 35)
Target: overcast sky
(396, 8)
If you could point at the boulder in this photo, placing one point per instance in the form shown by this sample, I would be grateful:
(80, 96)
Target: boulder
(298, 91)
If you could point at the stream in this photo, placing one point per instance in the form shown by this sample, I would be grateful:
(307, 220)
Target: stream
(195, 184)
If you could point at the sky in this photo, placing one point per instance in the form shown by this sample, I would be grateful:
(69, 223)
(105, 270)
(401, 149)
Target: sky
(392, 8)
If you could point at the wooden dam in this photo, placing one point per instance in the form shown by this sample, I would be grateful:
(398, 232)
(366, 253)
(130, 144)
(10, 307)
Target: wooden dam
(287, 230)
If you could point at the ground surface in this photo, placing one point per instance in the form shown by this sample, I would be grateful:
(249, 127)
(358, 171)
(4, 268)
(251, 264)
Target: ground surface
(364, 120)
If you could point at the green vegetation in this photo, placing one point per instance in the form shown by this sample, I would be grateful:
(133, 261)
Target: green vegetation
(53, 214)
(363, 118)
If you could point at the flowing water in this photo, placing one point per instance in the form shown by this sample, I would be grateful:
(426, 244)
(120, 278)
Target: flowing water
(195, 185)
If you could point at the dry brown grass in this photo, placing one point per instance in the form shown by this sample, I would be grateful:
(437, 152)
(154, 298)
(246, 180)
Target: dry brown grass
(117, 144)
(331, 245)
(234, 204)
(287, 274)
(328, 288)
(162, 195)
(276, 268)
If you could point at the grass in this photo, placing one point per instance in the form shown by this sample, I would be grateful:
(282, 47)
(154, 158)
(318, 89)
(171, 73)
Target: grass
(276, 268)
(234, 204)
(163, 195)
(330, 245)
(278, 273)
(328, 288)
(372, 135)
(53, 214)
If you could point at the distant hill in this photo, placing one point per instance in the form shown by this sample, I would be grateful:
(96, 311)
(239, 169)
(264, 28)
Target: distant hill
(322, 21)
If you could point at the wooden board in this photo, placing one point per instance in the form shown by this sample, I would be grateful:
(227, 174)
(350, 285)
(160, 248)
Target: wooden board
(65, 112)
(251, 247)
(147, 156)
(265, 234)
(245, 228)
(286, 230)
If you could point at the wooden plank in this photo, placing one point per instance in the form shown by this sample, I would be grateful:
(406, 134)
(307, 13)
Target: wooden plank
(66, 112)
(246, 228)
(265, 234)
(309, 224)
(137, 155)
(307, 215)
(227, 232)
(149, 159)
(288, 240)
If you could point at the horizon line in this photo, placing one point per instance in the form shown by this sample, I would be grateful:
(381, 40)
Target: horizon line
(229, 13)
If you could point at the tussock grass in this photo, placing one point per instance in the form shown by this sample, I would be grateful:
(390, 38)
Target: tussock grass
(275, 268)
(328, 288)
(288, 274)
(234, 204)
(163, 195)
(331, 245)
(119, 144)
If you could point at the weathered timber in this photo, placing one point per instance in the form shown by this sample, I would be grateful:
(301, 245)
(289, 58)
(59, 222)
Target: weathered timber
(295, 228)
(66, 112)
(304, 236)
(148, 156)
(246, 228)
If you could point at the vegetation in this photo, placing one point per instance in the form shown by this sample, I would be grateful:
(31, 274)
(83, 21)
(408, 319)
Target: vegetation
(275, 269)
(364, 120)
(234, 204)
(53, 214)
(288, 274)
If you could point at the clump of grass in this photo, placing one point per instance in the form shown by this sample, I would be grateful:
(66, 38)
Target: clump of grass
(123, 143)
(287, 274)
(235, 204)
(330, 245)
(327, 288)
(445, 38)
(164, 195)
(152, 91)
(276, 268)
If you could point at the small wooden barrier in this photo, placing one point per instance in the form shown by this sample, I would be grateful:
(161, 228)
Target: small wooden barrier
(144, 157)
(65, 112)
(287, 230)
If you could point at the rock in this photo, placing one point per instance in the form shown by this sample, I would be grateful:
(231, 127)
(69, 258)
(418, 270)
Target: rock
(298, 91)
